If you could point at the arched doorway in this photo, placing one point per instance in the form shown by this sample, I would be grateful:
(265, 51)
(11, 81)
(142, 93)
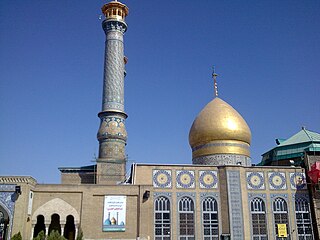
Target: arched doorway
(40, 226)
(4, 223)
(55, 223)
(70, 228)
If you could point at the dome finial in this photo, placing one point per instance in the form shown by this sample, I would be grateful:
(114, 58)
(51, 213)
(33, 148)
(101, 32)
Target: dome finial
(214, 76)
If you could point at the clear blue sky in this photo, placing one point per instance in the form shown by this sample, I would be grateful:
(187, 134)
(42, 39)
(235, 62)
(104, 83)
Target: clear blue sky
(267, 55)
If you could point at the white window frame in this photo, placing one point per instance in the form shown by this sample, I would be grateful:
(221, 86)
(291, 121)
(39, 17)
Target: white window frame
(258, 209)
(186, 212)
(211, 222)
(280, 207)
(162, 207)
(302, 208)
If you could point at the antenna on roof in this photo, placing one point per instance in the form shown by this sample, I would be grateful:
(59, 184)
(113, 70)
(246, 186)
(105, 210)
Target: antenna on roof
(214, 76)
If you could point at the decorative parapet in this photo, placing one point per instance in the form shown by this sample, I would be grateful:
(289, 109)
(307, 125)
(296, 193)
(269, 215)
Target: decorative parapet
(17, 180)
(115, 10)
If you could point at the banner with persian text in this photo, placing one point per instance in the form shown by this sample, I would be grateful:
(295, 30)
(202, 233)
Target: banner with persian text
(114, 214)
(282, 230)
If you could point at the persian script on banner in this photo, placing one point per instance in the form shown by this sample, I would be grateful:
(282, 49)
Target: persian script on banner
(282, 230)
(114, 214)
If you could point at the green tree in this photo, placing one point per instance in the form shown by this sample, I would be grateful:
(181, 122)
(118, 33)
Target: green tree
(55, 235)
(17, 236)
(80, 234)
(40, 236)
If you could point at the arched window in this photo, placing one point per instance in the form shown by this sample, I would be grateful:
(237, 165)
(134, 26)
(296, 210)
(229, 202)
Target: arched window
(303, 219)
(55, 223)
(210, 219)
(69, 229)
(258, 219)
(40, 226)
(162, 219)
(280, 214)
(186, 219)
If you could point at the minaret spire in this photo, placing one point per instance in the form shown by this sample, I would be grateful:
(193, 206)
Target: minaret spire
(215, 84)
(112, 135)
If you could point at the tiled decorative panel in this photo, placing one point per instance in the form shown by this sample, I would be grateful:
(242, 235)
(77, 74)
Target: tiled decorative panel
(185, 179)
(235, 204)
(208, 179)
(215, 195)
(8, 187)
(160, 194)
(273, 196)
(162, 178)
(277, 180)
(298, 180)
(7, 200)
(255, 180)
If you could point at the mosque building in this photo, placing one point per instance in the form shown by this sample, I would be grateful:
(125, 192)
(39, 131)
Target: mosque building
(221, 195)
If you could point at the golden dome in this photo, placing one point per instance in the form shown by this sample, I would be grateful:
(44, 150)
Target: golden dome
(113, 221)
(219, 129)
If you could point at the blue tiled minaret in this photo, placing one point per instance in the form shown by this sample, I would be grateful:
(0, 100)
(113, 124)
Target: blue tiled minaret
(112, 135)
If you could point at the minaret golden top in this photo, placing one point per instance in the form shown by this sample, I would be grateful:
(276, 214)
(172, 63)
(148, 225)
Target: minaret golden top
(115, 10)
(214, 76)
